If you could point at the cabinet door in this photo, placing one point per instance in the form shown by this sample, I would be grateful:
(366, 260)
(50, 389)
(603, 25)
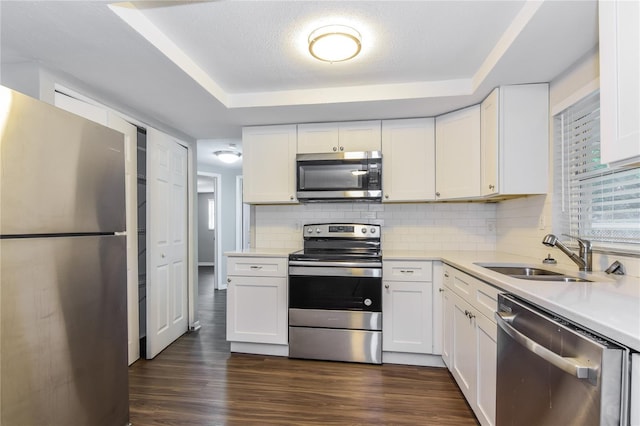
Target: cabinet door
(463, 353)
(360, 136)
(438, 306)
(486, 339)
(620, 81)
(257, 310)
(318, 137)
(408, 158)
(447, 326)
(458, 154)
(489, 143)
(268, 166)
(406, 321)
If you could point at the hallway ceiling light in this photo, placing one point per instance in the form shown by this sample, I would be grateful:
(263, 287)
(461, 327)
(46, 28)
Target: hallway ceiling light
(334, 43)
(227, 156)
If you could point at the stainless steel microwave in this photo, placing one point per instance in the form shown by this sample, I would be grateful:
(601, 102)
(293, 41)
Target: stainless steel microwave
(340, 176)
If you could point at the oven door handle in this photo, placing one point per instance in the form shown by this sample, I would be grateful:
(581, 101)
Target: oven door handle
(315, 263)
(312, 271)
(573, 366)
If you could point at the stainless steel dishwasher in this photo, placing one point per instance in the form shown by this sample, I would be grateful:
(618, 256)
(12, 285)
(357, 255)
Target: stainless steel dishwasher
(552, 372)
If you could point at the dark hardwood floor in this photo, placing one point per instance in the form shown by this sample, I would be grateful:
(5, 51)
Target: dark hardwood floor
(196, 381)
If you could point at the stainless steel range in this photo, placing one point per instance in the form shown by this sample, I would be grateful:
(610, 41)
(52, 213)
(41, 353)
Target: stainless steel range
(335, 294)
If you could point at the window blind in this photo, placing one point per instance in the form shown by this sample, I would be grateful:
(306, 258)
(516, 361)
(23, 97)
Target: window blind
(599, 203)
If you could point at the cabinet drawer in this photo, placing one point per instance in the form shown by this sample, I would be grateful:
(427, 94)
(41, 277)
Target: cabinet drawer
(486, 300)
(480, 295)
(257, 266)
(407, 271)
(464, 285)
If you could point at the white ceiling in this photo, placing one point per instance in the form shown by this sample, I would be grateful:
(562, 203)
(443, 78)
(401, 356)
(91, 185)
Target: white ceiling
(206, 68)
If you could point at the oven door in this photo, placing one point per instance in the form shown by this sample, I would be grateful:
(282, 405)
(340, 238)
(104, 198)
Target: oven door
(335, 288)
(335, 313)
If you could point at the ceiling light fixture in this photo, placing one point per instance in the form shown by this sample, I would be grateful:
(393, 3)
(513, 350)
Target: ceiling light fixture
(227, 156)
(334, 43)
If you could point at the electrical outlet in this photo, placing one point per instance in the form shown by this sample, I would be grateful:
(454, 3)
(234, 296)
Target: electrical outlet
(541, 223)
(491, 225)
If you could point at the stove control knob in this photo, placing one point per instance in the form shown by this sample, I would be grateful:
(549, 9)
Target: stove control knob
(318, 230)
(309, 230)
(373, 230)
(364, 230)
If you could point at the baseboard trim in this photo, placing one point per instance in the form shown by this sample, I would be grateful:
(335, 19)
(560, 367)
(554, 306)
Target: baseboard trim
(404, 358)
(260, 348)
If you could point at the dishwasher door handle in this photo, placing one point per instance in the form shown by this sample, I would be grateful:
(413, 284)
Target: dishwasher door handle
(572, 366)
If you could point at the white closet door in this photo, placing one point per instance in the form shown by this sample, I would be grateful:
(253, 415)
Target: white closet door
(167, 276)
(109, 119)
(131, 193)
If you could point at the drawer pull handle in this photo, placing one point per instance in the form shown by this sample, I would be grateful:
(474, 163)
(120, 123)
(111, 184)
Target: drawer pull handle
(440, 290)
(256, 267)
(446, 275)
(406, 271)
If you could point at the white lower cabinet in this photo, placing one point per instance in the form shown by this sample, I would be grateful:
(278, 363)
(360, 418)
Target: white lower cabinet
(257, 305)
(470, 340)
(407, 313)
(406, 324)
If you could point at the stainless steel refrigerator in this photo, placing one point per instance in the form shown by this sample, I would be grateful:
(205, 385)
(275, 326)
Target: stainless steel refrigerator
(63, 306)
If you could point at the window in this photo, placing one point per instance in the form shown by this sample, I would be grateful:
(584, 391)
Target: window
(592, 200)
(212, 214)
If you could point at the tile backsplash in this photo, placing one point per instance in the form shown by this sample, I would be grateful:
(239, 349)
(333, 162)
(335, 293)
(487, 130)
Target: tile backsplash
(441, 226)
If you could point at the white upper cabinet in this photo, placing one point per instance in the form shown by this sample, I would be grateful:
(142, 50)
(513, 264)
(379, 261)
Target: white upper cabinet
(514, 141)
(269, 164)
(408, 158)
(354, 136)
(458, 154)
(620, 81)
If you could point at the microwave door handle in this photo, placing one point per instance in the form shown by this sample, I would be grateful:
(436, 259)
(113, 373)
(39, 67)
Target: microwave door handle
(566, 364)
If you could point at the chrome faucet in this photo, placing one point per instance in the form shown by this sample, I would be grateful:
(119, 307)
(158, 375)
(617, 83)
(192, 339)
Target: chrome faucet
(583, 259)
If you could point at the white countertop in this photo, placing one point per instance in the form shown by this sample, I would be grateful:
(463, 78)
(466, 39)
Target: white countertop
(609, 305)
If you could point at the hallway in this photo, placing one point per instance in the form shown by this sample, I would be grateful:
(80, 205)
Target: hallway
(196, 381)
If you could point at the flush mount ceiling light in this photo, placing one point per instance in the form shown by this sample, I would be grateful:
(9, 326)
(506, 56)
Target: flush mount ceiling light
(334, 43)
(228, 156)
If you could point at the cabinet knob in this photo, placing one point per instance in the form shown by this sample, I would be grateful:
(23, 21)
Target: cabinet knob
(386, 286)
(291, 197)
(335, 148)
(446, 275)
(386, 196)
(441, 290)
(342, 148)
(437, 194)
(491, 187)
(228, 280)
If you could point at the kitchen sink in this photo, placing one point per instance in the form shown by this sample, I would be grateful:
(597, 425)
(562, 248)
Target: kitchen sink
(532, 273)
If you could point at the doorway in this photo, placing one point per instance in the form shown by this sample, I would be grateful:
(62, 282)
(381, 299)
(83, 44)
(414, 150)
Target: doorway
(209, 218)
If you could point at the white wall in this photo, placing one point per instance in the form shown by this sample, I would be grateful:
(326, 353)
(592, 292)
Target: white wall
(227, 231)
(433, 226)
(206, 236)
(523, 222)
